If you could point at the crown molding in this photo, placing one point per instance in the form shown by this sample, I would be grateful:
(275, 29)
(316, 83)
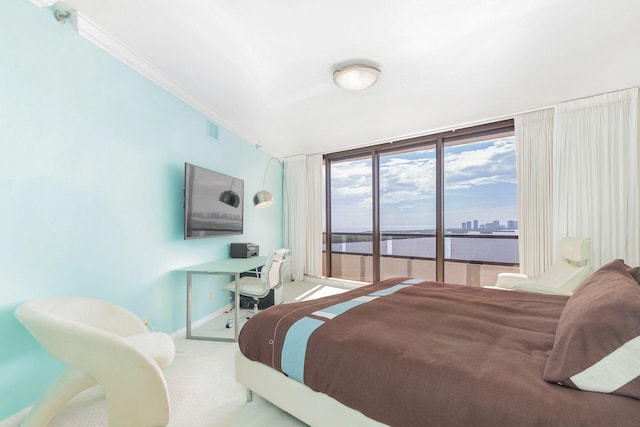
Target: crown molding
(44, 3)
(101, 38)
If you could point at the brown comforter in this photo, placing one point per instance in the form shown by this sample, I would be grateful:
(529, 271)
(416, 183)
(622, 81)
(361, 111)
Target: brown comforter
(432, 354)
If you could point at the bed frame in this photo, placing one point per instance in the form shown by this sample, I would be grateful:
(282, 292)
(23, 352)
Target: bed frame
(311, 407)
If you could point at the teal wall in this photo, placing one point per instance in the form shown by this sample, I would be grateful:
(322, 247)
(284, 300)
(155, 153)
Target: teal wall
(91, 190)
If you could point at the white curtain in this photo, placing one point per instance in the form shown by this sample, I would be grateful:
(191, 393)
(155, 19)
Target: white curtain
(534, 138)
(303, 214)
(595, 175)
(314, 216)
(295, 221)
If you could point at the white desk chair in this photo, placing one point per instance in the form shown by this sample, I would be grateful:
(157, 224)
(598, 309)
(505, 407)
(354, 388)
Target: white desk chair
(562, 277)
(103, 344)
(271, 277)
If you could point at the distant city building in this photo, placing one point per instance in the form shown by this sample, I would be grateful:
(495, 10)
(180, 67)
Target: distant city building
(494, 225)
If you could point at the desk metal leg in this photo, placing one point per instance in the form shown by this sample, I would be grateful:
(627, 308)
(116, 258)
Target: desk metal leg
(230, 268)
(189, 305)
(189, 313)
(236, 325)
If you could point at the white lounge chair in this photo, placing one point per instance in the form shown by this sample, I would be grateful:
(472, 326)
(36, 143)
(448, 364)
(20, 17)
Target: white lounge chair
(562, 277)
(103, 344)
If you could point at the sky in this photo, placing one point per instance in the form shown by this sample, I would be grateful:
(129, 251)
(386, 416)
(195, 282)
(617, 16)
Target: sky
(480, 184)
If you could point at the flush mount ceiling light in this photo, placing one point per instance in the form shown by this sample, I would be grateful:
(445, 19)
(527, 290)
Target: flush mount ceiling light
(356, 77)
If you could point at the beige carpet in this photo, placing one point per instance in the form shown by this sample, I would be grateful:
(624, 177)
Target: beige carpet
(201, 383)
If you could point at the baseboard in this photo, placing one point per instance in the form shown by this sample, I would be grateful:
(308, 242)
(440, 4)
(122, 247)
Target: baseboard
(182, 333)
(15, 419)
(92, 393)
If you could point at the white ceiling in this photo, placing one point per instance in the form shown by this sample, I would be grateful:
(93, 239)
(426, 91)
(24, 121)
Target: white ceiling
(263, 69)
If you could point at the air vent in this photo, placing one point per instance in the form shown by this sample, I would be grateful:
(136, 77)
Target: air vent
(212, 130)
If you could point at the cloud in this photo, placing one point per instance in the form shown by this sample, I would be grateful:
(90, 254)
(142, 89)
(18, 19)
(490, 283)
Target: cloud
(351, 181)
(408, 176)
(489, 165)
(411, 177)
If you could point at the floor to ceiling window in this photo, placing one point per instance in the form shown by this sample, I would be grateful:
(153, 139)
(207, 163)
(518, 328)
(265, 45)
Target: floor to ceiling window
(480, 207)
(439, 207)
(350, 219)
(408, 212)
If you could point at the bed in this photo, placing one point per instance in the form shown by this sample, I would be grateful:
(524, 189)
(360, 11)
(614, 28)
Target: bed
(407, 352)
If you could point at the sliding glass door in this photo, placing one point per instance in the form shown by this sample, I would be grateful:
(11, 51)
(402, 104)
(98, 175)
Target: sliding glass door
(351, 220)
(408, 212)
(480, 207)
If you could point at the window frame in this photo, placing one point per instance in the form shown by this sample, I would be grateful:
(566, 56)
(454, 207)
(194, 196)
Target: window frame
(439, 140)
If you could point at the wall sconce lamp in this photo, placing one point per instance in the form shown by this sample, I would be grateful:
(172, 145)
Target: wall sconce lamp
(264, 198)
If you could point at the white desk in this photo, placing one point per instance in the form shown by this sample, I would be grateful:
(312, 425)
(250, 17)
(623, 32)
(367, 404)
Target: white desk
(229, 267)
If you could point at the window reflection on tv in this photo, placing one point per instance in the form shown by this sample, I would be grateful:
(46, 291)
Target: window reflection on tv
(213, 203)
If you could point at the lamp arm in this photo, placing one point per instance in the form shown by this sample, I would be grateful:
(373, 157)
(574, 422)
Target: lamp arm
(263, 197)
(264, 179)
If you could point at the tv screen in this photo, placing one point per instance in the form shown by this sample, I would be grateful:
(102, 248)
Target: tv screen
(213, 203)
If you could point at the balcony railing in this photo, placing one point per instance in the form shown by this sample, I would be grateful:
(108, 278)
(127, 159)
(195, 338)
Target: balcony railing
(471, 259)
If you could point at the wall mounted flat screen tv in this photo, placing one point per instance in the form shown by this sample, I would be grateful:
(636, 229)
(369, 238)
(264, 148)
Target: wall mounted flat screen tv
(213, 203)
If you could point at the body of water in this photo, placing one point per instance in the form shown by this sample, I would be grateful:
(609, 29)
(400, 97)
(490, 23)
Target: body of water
(483, 249)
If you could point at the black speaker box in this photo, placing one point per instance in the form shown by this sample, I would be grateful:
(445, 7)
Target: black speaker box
(243, 250)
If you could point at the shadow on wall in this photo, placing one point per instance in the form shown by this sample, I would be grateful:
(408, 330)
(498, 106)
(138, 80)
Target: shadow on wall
(25, 370)
(175, 201)
(164, 303)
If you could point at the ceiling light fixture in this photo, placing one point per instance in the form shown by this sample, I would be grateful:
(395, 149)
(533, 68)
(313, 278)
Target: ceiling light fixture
(356, 77)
